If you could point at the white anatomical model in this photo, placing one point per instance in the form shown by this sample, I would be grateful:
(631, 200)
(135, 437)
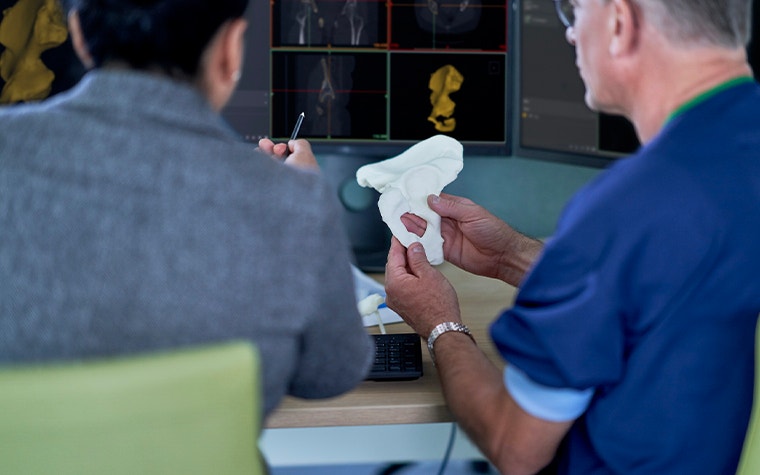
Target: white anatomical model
(405, 181)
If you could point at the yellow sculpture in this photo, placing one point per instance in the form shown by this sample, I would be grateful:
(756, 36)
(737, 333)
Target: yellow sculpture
(446, 80)
(28, 28)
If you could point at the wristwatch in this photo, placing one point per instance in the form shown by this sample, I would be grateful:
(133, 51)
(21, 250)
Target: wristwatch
(442, 328)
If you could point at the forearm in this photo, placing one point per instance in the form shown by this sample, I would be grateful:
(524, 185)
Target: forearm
(518, 258)
(512, 440)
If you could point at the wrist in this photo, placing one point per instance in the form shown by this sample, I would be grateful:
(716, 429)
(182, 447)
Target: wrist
(442, 328)
(518, 261)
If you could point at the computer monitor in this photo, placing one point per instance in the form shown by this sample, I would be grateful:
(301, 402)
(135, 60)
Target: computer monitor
(753, 49)
(552, 120)
(373, 78)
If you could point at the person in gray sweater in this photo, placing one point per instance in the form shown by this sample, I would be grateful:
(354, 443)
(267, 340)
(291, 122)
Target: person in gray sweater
(133, 219)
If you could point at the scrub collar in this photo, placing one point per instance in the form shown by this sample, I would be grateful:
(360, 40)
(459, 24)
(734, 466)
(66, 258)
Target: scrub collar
(708, 94)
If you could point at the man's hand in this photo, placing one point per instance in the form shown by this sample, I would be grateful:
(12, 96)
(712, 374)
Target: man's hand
(477, 241)
(415, 290)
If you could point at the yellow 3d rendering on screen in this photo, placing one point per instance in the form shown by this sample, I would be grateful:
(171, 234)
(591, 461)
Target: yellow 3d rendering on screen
(29, 28)
(444, 81)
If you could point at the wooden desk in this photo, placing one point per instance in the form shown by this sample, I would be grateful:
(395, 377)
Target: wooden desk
(405, 402)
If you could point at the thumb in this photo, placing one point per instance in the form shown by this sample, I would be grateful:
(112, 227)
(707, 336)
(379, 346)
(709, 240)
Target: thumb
(449, 206)
(417, 259)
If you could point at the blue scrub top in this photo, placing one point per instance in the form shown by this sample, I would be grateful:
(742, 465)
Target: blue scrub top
(649, 294)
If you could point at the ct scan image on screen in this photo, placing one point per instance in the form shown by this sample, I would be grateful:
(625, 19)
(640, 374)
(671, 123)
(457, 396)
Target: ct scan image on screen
(374, 76)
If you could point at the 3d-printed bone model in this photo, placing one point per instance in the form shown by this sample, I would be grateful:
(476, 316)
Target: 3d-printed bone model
(405, 181)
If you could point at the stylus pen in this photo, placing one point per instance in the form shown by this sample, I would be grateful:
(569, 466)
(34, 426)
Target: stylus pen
(297, 128)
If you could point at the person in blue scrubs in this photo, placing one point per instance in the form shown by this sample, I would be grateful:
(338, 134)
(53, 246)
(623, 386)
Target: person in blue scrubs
(630, 346)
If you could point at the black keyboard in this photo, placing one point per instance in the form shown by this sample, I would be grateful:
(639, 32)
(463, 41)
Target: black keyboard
(398, 357)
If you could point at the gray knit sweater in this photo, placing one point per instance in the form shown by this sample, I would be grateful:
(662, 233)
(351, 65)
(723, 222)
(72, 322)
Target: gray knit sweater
(133, 219)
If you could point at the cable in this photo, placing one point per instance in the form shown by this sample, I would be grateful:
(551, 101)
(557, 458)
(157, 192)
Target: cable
(447, 455)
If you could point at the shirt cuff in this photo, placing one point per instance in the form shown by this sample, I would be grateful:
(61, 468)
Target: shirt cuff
(546, 402)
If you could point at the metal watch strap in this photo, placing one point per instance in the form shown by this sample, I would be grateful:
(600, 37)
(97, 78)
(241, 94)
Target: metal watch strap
(442, 328)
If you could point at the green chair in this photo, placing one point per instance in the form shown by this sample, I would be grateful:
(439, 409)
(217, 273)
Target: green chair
(188, 411)
(749, 464)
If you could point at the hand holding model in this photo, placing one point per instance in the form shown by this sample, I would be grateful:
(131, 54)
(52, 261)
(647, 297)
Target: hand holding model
(477, 241)
(412, 283)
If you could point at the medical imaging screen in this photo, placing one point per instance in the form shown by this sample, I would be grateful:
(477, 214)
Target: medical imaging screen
(375, 72)
(553, 115)
(460, 94)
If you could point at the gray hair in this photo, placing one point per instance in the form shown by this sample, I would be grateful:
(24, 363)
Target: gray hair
(725, 23)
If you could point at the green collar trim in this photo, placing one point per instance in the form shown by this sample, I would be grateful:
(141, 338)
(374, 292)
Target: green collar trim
(708, 94)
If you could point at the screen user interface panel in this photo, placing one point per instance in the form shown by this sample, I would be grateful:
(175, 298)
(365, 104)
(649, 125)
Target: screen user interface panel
(379, 73)
(553, 116)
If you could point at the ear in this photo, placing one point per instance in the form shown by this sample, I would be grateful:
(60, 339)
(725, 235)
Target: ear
(223, 61)
(625, 27)
(233, 46)
(77, 40)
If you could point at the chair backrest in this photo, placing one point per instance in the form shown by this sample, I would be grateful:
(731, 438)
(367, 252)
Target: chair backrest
(188, 411)
(749, 464)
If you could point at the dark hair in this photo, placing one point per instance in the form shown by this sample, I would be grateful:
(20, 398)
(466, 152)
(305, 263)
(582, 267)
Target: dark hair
(169, 35)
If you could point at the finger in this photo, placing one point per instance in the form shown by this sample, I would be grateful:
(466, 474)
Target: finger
(456, 199)
(266, 146)
(449, 206)
(397, 277)
(414, 224)
(302, 156)
(280, 149)
(396, 263)
(417, 260)
(300, 146)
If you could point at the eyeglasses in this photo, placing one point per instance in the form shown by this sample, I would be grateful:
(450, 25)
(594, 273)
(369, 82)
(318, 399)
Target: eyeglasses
(565, 12)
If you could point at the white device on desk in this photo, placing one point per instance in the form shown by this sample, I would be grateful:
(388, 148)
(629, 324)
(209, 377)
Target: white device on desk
(364, 286)
(398, 356)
